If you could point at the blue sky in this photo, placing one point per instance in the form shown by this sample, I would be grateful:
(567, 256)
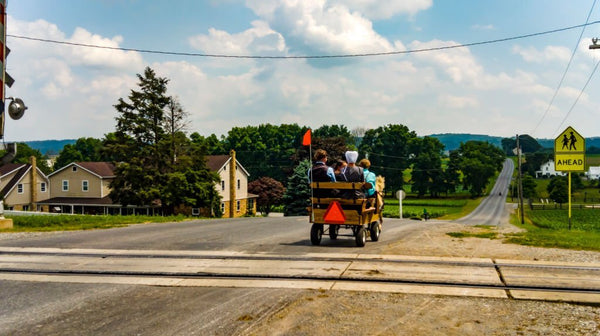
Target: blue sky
(498, 89)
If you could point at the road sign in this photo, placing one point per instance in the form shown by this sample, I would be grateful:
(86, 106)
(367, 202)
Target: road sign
(334, 214)
(569, 151)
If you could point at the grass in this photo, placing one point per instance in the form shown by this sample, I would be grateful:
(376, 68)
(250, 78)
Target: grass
(81, 222)
(413, 207)
(549, 228)
(485, 231)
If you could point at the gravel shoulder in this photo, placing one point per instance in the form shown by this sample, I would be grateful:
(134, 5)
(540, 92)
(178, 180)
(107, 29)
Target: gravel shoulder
(362, 313)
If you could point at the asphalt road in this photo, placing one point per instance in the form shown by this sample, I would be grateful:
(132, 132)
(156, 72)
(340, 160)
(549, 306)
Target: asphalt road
(39, 308)
(492, 210)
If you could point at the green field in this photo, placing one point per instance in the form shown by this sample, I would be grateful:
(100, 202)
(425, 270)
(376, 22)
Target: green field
(436, 207)
(81, 222)
(550, 228)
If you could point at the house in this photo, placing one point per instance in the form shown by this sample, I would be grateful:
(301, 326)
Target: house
(233, 187)
(23, 186)
(593, 173)
(547, 170)
(82, 188)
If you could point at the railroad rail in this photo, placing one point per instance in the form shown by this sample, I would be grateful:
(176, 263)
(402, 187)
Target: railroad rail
(486, 277)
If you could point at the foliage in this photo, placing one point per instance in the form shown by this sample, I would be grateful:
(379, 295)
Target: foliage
(269, 191)
(529, 186)
(296, 199)
(83, 150)
(427, 166)
(387, 147)
(24, 154)
(526, 142)
(158, 165)
(479, 161)
(558, 189)
(533, 162)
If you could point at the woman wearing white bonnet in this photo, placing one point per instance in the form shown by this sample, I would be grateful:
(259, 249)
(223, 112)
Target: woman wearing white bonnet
(352, 172)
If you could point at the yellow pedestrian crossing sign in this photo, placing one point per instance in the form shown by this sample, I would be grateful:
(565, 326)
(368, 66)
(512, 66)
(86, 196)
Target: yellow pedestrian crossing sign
(569, 151)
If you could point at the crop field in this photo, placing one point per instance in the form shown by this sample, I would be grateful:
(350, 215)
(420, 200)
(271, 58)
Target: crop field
(581, 219)
(413, 208)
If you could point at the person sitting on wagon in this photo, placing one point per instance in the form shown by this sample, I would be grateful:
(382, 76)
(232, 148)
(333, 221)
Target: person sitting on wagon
(320, 172)
(370, 177)
(353, 173)
(338, 168)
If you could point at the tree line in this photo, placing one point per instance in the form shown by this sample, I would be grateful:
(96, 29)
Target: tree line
(159, 164)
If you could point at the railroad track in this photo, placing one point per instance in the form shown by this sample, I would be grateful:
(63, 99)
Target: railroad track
(427, 275)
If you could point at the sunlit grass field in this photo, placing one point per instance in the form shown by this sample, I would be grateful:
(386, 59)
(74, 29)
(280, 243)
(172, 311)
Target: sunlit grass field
(81, 222)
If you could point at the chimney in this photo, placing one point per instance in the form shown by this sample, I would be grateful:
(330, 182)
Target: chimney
(232, 185)
(33, 183)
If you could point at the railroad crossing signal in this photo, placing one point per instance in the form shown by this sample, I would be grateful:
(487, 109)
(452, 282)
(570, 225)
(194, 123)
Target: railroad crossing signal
(569, 151)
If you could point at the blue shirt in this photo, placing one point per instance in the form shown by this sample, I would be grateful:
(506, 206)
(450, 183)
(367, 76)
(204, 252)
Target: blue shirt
(371, 178)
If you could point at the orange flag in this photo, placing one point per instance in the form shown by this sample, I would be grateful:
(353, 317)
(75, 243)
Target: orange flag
(306, 138)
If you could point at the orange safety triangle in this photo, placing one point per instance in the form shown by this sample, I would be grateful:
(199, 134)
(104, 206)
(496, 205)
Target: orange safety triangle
(334, 214)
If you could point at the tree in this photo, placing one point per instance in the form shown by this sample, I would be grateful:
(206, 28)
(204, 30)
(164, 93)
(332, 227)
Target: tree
(426, 160)
(558, 189)
(83, 150)
(158, 164)
(451, 173)
(529, 186)
(479, 161)
(269, 191)
(388, 151)
(24, 154)
(296, 199)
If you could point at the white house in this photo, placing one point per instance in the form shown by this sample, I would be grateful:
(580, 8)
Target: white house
(593, 173)
(547, 170)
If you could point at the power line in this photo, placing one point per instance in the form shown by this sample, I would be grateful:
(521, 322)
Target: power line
(579, 96)
(175, 53)
(566, 70)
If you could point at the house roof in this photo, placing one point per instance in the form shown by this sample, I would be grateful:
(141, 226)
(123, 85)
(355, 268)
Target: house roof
(10, 167)
(21, 169)
(100, 169)
(77, 201)
(217, 162)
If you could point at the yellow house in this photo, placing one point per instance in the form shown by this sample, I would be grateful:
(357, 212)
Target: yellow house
(82, 188)
(233, 186)
(23, 186)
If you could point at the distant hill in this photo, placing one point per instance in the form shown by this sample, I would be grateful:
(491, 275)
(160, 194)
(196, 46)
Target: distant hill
(452, 140)
(50, 147)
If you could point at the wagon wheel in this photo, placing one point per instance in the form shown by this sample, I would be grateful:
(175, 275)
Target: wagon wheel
(361, 237)
(375, 231)
(333, 231)
(316, 232)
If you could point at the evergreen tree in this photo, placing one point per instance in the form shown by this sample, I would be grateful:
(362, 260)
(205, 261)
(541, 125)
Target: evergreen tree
(157, 163)
(296, 199)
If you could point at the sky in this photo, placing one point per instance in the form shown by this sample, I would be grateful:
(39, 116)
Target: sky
(516, 86)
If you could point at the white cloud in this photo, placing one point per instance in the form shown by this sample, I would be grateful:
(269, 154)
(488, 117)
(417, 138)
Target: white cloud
(457, 102)
(258, 40)
(376, 9)
(320, 27)
(548, 54)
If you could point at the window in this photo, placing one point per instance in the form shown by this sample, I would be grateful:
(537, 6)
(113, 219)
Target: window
(25, 207)
(222, 207)
(74, 168)
(19, 188)
(43, 187)
(85, 185)
(238, 205)
(239, 184)
(65, 185)
(222, 185)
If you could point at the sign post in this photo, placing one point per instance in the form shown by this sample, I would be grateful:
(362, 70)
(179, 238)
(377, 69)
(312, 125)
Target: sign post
(400, 194)
(569, 156)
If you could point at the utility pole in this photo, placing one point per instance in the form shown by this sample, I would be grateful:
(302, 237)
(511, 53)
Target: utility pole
(519, 180)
